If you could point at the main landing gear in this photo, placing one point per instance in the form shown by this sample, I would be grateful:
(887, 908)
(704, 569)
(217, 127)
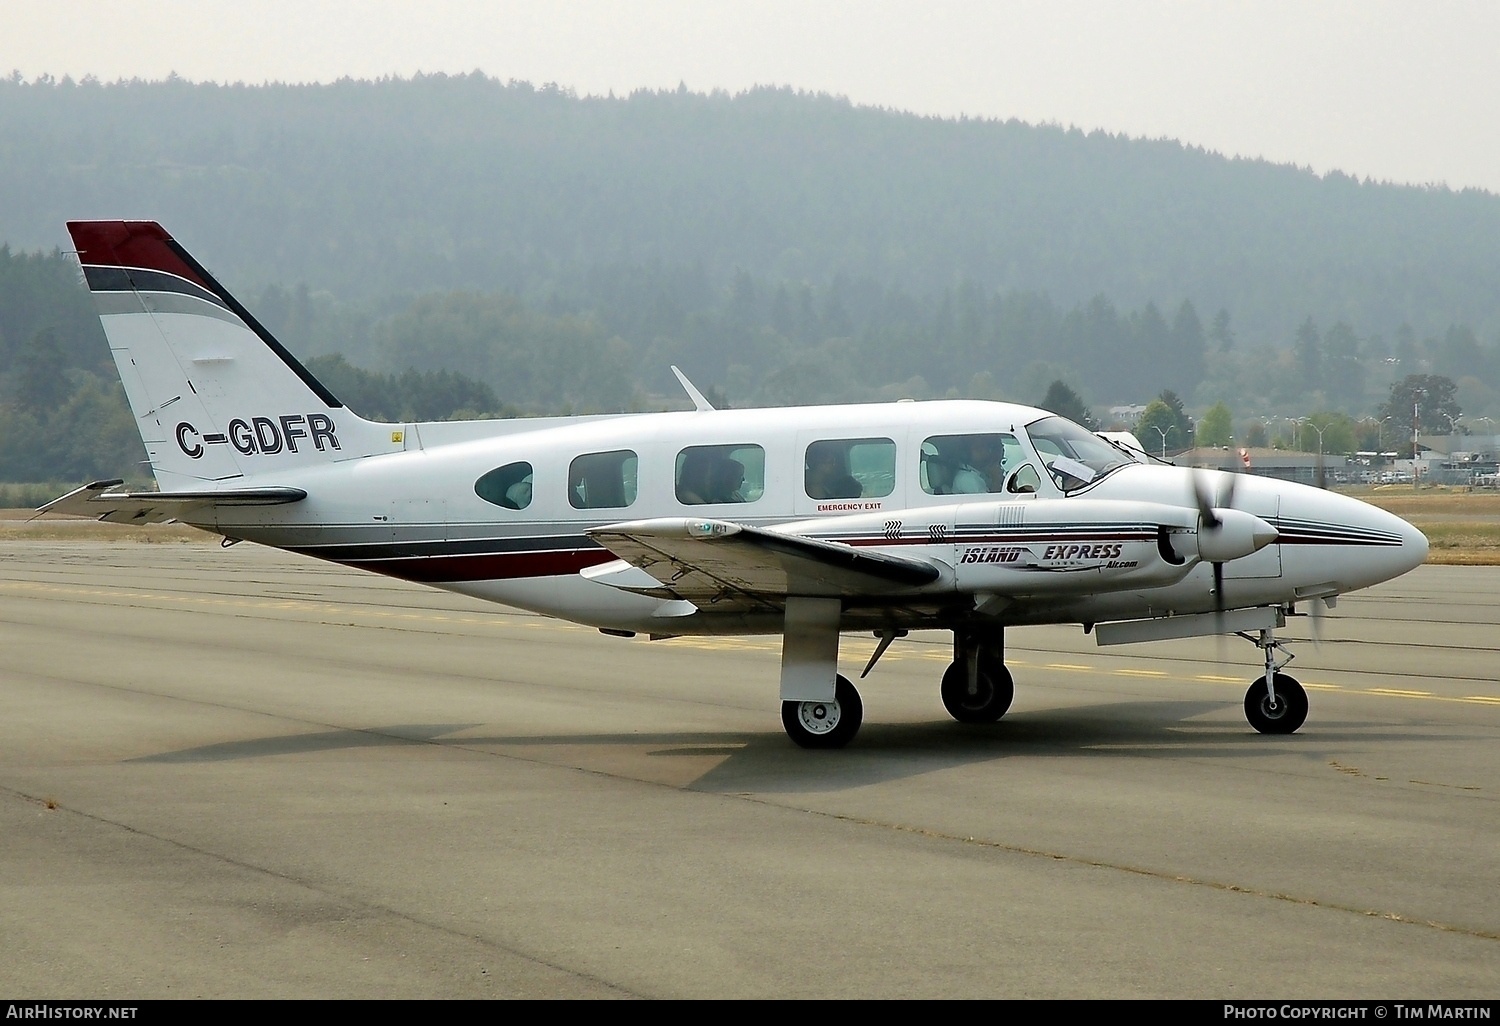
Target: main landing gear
(1276, 703)
(977, 688)
(826, 724)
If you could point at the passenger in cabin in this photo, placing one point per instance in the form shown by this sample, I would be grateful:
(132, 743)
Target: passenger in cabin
(693, 479)
(707, 477)
(518, 495)
(827, 473)
(725, 478)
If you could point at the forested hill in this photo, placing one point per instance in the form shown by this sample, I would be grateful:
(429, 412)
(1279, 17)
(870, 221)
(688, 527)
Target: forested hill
(375, 189)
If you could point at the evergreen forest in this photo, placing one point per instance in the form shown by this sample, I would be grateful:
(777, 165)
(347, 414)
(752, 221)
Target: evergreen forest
(460, 246)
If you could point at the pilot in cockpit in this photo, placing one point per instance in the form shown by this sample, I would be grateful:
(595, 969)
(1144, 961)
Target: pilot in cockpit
(987, 459)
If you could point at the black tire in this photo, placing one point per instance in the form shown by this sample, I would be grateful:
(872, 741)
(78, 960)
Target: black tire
(825, 724)
(1289, 713)
(996, 689)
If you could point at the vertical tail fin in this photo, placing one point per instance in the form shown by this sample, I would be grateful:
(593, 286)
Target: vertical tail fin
(215, 396)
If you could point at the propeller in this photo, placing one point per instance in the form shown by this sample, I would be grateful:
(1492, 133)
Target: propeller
(1210, 520)
(1224, 532)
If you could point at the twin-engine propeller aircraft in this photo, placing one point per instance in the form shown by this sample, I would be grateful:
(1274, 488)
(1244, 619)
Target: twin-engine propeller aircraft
(963, 516)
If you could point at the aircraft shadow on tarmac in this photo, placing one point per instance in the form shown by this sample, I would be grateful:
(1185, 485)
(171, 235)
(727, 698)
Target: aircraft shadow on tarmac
(766, 762)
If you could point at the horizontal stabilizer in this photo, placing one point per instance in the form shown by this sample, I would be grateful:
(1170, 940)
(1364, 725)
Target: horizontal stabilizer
(96, 500)
(708, 562)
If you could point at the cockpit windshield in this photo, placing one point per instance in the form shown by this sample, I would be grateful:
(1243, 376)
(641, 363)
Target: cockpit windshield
(1073, 455)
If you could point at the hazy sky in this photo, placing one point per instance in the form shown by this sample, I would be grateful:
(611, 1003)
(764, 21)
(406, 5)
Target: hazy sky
(1395, 90)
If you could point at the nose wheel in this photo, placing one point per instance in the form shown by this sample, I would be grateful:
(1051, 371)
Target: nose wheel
(1281, 712)
(1277, 702)
(825, 724)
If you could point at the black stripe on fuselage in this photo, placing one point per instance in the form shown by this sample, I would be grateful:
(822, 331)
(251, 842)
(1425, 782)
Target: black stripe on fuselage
(1310, 532)
(367, 551)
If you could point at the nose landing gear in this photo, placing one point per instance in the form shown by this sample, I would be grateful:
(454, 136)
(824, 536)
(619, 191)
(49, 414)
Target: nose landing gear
(1276, 703)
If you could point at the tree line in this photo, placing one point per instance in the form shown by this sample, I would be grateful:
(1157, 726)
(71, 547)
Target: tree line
(375, 191)
(452, 246)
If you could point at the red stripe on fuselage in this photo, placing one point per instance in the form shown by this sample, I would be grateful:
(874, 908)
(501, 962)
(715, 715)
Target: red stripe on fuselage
(491, 567)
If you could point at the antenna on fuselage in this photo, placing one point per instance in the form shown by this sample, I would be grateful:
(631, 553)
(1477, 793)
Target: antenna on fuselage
(701, 404)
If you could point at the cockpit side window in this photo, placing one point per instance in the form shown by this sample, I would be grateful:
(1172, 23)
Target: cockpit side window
(972, 464)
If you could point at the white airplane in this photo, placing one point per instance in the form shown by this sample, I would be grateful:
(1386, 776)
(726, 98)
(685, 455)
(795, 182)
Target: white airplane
(956, 515)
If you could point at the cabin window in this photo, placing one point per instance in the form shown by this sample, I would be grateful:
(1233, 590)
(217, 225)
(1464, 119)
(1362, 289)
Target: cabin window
(602, 480)
(508, 486)
(967, 464)
(850, 468)
(708, 474)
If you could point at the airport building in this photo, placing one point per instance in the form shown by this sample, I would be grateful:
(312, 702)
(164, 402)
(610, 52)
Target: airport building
(1282, 464)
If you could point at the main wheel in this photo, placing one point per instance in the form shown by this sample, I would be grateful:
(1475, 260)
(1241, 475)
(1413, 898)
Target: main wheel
(1288, 712)
(991, 699)
(825, 724)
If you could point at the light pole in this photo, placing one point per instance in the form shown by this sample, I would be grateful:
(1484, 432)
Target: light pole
(1416, 403)
(1321, 482)
(1163, 439)
(1320, 431)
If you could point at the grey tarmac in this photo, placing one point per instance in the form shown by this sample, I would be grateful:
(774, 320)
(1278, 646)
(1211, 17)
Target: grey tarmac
(234, 773)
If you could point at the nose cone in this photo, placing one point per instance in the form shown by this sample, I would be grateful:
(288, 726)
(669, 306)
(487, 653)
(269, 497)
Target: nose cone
(1413, 544)
(1388, 546)
(1331, 540)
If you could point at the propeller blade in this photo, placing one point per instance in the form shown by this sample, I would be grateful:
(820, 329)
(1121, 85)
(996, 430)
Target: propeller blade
(1316, 610)
(1204, 501)
(1219, 607)
(1226, 497)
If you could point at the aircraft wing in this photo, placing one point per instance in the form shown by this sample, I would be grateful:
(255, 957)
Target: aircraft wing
(96, 500)
(711, 562)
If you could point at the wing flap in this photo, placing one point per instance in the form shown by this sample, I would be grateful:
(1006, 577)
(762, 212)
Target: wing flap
(709, 562)
(97, 501)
